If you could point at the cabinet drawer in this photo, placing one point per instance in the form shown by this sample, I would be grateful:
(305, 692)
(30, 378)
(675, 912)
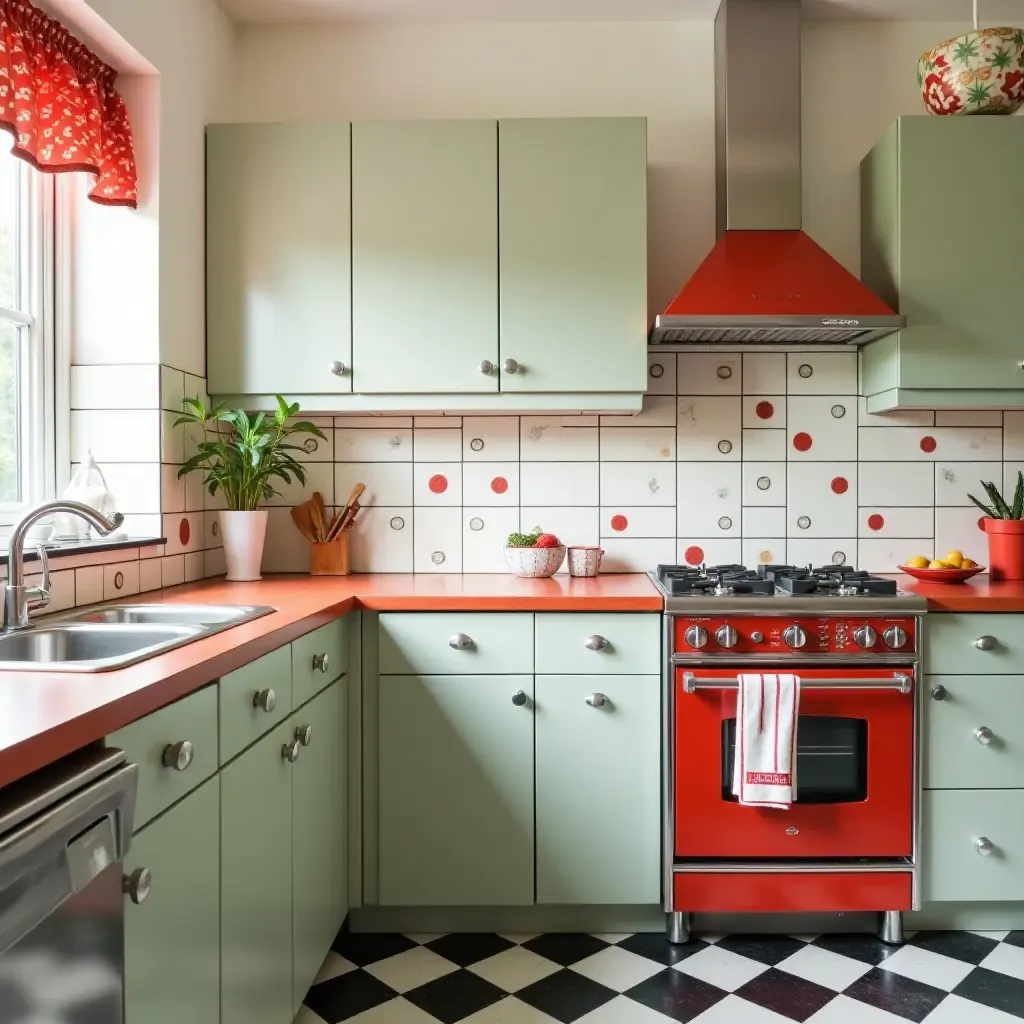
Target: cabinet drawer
(192, 720)
(620, 644)
(318, 658)
(951, 644)
(953, 823)
(253, 700)
(452, 643)
(955, 756)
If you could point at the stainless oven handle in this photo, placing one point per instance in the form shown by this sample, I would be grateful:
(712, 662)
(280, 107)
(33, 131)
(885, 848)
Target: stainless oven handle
(899, 681)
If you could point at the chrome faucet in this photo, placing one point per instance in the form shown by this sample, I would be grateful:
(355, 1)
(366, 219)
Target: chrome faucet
(20, 600)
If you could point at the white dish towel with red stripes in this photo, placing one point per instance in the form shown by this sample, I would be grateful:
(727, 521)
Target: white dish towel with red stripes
(767, 708)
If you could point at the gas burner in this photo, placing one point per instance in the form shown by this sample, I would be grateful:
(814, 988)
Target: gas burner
(826, 580)
(713, 580)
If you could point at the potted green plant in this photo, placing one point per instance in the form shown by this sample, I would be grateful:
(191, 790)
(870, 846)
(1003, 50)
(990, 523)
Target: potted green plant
(242, 455)
(1004, 526)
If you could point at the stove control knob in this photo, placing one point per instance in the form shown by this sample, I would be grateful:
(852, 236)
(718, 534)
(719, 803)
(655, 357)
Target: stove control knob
(794, 636)
(727, 636)
(864, 636)
(696, 636)
(895, 636)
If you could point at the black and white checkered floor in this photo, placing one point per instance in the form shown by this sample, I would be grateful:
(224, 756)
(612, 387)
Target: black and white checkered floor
(938, 977)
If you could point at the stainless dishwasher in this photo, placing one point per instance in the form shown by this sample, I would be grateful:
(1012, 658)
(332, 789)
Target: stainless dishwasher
(63, 833)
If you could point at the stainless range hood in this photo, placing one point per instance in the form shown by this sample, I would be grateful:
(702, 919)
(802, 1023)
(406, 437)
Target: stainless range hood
(766, 281)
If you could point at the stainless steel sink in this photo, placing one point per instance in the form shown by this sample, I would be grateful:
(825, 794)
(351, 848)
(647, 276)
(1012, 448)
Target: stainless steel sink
(106, 637)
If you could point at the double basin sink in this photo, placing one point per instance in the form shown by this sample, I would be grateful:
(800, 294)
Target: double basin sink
(113, 636)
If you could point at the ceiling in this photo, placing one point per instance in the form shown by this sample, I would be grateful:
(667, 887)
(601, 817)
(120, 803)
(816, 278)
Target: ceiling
(419, 11)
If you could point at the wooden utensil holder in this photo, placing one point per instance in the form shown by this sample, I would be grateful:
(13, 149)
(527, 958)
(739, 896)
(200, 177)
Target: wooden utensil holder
(331, 558)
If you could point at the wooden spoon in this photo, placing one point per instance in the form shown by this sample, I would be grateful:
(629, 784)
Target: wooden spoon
(302, 517)
(319, 515)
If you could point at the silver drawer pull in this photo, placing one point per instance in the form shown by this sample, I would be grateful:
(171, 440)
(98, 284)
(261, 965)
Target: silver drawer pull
(460, 642)
(304, 734)
(984, 846)
(265, 700)
(519, 698)
(321, 662)
(986, 643)
(598, 700)
(984, 735)
(939, 692)
(290, 751)
(596, 642)
(137, 885)
(178, 755)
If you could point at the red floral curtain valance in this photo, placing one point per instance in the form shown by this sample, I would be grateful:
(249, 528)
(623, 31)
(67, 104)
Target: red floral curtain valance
(57, 99)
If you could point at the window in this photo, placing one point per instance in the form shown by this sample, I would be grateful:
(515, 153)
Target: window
(27, 357)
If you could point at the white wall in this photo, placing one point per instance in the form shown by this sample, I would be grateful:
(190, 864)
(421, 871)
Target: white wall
(662, 71)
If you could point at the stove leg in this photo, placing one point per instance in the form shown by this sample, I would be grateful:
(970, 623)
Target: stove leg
(677, 927)
(890, 928)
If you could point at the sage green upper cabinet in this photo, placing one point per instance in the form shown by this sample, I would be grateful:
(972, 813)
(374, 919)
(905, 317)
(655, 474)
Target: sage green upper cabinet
(572, 216)
(278, 258)
(425, 256)
(942, 211)
(456, 790)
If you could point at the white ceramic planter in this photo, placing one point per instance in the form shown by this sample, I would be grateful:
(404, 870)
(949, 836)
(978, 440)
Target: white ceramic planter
(243, 534)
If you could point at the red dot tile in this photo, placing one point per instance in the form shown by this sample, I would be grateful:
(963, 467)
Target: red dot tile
(840, 485)
(619, 523)
(438, 483)
(928, 443)
(802, 442)
(184, 531)
(875, 521)
(694, 555)
(764, 410)
(499, 485)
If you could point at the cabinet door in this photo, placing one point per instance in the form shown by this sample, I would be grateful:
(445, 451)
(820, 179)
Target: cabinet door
(172, 939)
(598, 789)
(424, 256)
(961, 222)
(573, 253)
(319, 834)
(278, 258)
(456, 791)
(256, 883)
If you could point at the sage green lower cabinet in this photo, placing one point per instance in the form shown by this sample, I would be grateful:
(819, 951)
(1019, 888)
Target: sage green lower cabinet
(456, 786)
(598, 789)
(319, 833)
(256, 889)
(172, 938)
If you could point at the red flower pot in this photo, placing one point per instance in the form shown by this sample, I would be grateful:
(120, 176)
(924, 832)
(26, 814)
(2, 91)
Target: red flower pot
(1005, 548)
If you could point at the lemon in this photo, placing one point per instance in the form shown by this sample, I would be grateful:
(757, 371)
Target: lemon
(954, 559)
(968, 563)
(936, 564)
(918, 562)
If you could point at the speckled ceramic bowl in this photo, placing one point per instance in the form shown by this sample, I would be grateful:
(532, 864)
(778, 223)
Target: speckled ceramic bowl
(979, 72)
(534, 563)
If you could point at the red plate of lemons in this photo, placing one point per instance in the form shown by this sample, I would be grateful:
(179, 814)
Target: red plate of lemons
(953, 568)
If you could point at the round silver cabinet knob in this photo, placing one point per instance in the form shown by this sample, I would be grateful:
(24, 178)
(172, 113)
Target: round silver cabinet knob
(461, 641)
(727, 636)
(865, 636)
(984, 845)
(895, 636)
(290, 751)
(939, 692)
(304, 734)
(986, 643)
(321, 662)
(519, 698)
(794, 636)
(338, 368)
(178, 755)
(511, 366)
(486, 367)
(137, 885)
(265, 700)
(984, 735)
(596, 643)
(696, 636)
(597, 700)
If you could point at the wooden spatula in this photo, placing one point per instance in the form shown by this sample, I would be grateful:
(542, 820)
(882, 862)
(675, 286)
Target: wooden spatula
(302, 517)
(319, 515)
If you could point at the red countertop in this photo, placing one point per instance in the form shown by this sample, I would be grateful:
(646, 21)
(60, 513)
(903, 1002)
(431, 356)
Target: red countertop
(46, 715)
(978, 594)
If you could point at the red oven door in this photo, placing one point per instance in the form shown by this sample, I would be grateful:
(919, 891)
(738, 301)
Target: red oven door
(855, 772)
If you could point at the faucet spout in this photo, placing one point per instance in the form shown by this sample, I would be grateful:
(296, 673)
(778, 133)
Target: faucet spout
(19, 600)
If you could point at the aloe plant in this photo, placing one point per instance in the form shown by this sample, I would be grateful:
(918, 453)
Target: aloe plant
(1000, 508)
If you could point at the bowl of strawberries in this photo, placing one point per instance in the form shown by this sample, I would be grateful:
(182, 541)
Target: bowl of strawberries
(534, 555)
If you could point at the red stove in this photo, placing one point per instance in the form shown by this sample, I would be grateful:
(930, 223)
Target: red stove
(850, 840)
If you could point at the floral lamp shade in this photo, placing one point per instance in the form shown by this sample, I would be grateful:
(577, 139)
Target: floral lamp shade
(979, 72)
